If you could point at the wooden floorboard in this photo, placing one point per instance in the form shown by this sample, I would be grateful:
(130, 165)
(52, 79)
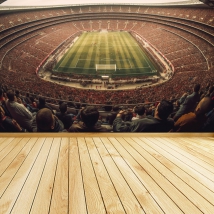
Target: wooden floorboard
(95, 174)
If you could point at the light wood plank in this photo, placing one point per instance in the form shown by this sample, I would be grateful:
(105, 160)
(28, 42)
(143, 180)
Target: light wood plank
(159, 194)
(209, 139)
(2, 139)
(188, 189)
(90, 173)
(128, 199)
(186, 173)
(59, 202)
(196, 148)
(27, 194)
(205, 142)
(9, 193)
(197, 171)
(153, 167)
(109, 195)
(4, 163)
(200, 147)
(10, 172)
(42, 200)
(202, 142)
(4, 142)
(7, 149)
(77, 202)
(148, 203)
(192, 160)
(93, 196)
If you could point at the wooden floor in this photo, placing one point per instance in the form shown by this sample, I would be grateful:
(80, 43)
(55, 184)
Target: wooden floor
(109, 174)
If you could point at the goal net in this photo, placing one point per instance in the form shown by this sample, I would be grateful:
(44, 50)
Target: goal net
(102, 67)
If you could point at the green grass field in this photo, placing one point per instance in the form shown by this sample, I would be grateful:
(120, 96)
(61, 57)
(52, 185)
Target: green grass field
(116, 48)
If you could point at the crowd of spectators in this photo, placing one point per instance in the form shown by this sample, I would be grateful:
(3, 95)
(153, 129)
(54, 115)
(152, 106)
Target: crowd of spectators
(46, 37)
(201, 15)
(26, 53)
(27, 38)
(175, 87)
(192, 112)
(22, 72)
(194, 49)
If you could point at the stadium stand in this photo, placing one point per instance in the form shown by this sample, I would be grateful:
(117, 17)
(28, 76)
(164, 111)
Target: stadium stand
(27, 38)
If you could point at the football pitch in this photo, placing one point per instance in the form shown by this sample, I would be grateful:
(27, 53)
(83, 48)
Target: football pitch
(106, 53)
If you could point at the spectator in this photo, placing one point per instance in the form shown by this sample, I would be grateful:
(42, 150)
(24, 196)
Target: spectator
(81, 107)
(2, 98)
(108, 106)
(64, 116)
(42, 104)
(189, 104)
(33, 102)
(140, 112)
(18, 98)
(7, 124)
(45, 121)
(19, 112)
(210, 91)
(209, 124)
(193, 121)
(183, 98)
(149, 110)
(89, 116)
(127, 115)
(159, 123)
(111, 116)
(3, 104)
(27, 99)
(175, 108)
(32, 106)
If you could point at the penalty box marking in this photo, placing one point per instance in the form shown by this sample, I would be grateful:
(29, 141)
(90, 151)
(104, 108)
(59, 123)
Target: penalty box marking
(117, 68)
(109, 59)
(122, 60)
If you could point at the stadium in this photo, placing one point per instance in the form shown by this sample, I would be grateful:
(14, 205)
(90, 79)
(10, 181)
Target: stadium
(109, 70)
(176, 39)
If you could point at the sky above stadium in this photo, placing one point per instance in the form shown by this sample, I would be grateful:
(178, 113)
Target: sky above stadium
(70, 2)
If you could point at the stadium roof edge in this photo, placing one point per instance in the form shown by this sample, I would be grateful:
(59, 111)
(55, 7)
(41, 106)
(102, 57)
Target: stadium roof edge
(182, 4)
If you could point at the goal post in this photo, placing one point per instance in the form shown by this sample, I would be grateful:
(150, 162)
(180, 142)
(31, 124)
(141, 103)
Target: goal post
(106, 67)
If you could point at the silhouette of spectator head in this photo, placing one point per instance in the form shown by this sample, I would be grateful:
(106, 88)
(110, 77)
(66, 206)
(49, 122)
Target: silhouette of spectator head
(45, 120)
(1, 92)
(108, 106)
(197, 88)
(115, 108)
(10, 95)
(42, 101)
(90, 116)
(140, 110)
(164, 109)
(17, 93)
(211, 89)
(127, 115)
(63, 107)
